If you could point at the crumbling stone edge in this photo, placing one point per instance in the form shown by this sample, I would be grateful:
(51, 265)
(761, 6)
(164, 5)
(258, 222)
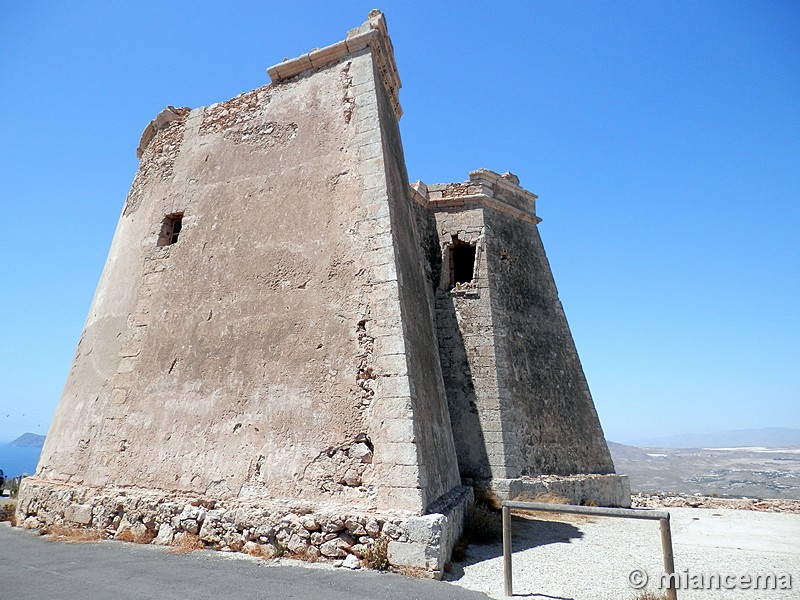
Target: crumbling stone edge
(601, 490)
(256, 526)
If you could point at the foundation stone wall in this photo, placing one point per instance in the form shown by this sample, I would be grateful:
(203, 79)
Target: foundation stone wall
(298, 529)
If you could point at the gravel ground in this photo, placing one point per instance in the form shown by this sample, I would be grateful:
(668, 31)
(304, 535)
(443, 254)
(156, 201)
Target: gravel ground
(583, 558)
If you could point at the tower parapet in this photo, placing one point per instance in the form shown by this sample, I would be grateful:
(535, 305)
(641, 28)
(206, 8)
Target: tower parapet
(371, 34)
(501, 192)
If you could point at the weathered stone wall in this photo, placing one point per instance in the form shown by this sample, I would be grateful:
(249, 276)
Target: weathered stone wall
(274, 350)
(550, 421)
(466, 345)
(298, 529)
(436, 456)
(601, 490)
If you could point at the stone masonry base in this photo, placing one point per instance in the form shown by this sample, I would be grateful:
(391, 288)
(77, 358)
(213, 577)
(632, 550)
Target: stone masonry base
(262, 527)
(601, 490)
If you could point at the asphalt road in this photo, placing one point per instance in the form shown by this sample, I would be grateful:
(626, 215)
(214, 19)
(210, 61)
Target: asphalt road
(35, 568)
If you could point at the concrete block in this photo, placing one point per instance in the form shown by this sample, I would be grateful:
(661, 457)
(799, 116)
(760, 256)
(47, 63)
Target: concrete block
(409, 554)
(329, 54)
(403, 475)
(401, 498)
(370, 150)
(399, 430)
(397, 453)
(78, 513)
(361, 41)
(426, 529)
(376, 179)
(388, 310)
(372, 227)
(385, 291)
(366, 113)
(382, 273)
(367, 87)
(376, 257)
(373, 165)
(384, 329)
(390, 344)
(368, 136)
(392, 408)
(390, 364)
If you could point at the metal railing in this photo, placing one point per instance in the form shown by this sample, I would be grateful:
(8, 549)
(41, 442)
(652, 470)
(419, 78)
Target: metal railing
(661, 516)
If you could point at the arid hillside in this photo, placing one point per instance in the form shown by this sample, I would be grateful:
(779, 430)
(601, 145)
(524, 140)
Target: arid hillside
(757, 472)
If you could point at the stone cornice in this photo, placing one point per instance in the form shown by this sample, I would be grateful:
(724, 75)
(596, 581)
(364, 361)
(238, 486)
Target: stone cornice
(164, 118)
(371, 34)
(486, 188)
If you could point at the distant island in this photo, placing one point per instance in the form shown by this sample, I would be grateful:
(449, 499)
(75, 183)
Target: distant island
(28, 440)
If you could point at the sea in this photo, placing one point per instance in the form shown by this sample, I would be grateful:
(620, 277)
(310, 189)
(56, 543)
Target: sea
(18, 461)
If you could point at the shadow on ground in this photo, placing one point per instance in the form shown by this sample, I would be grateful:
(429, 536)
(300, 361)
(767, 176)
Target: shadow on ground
(526, 532)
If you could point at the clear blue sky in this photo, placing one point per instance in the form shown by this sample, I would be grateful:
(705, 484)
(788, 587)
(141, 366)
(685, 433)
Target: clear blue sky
(663, 140)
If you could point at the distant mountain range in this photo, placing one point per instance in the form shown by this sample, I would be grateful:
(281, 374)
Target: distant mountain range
(769, 437)
(28, 440)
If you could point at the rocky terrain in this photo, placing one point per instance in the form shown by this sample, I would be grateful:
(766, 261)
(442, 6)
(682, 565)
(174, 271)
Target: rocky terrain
(714, 502)
(749, 472)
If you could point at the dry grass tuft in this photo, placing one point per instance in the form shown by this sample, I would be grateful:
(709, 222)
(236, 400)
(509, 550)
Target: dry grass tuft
(376, 556)
(309, 555)
(484, 525)
(188, 542)
(415, 572)
(258, 551)
(8, 512)
(125, 536)
(488, 497)
(73, 535)
(546, 498)
(137, 538)
(648, 595)
(459, 553)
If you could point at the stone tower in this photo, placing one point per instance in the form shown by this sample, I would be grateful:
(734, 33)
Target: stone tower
(261, 361)
(522, 415)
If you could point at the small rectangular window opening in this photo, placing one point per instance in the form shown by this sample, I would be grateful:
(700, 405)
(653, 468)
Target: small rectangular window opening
(462, 263)
(170, 228)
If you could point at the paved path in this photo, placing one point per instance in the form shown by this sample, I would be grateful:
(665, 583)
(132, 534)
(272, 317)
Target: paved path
(34, 568)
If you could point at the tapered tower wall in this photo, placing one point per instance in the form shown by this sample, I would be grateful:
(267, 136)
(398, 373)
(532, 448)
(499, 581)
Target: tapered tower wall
(519, 401)
(551, 422)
